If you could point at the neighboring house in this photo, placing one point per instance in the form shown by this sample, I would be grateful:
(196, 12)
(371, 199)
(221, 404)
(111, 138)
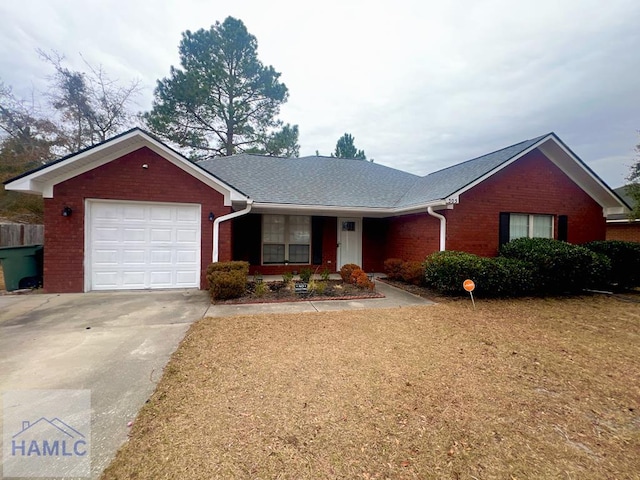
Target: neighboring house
(620, 226)
(131, 213)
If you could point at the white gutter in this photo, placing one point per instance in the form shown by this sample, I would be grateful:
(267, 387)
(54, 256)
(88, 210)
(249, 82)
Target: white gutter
(224, 218)
(443, 228)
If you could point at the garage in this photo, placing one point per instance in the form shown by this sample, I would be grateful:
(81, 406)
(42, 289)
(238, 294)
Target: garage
(141, 245)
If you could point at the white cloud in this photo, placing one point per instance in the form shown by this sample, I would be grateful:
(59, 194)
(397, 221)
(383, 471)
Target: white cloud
(421, 85)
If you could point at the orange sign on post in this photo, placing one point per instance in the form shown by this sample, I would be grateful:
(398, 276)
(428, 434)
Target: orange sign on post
(470, 286)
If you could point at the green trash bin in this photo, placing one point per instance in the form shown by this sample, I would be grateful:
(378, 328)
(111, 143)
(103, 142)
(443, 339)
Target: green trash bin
(21, 266)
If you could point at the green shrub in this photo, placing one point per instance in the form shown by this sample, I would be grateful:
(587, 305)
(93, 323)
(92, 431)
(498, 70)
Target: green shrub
(242, 267)
(446, 271)
(624, 258)
(393, 268)
(227, 279)
(347, 270)
(325, 274)
(287, 277)
(261, 289)
(305, 274)
(557, 267)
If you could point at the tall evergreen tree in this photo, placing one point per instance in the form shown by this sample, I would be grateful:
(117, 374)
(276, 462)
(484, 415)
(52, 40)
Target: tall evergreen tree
(221, 100)
(345, 148)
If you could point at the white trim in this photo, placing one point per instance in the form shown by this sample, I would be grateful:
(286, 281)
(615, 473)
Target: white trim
(443, 228)
(575, 169)
(373, 212)
(42, 181)
(358, 244)
(216, 228)
(89, 202)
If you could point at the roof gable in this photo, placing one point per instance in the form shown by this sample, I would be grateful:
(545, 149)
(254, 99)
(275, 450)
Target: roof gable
(42, 179)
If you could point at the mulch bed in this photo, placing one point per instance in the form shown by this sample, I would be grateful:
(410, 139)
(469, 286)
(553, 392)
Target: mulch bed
(283, 292)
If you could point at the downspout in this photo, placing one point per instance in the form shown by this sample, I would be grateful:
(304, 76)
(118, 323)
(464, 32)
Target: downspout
(443, 228)
(224, 218)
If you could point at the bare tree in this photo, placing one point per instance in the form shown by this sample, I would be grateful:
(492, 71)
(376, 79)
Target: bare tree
(91, 106)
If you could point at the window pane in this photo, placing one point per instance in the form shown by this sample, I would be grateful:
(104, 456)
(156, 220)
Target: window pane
(542, 226)
(273, 254)
(273, 228)
(299, 229)
(299, 253)
(518, 226)
(348, 226)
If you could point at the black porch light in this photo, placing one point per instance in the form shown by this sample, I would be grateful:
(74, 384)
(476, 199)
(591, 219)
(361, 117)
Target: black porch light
(211, 216)
(66, 211)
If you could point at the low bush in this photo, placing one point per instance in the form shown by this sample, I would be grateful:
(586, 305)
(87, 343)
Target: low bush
(347, 270)
(504, 277)
(625, 261)
(305, 274)
(412, 272)
(227, 279)
(558, 267)
(393, 268)
(360, 279)
(287, 277)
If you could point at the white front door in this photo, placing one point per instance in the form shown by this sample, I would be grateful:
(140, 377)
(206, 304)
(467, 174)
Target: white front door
(349, 241)
(139, 245)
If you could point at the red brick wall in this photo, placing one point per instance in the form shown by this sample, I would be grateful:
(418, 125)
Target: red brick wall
(533, 184)
(122, 179)
(628, 232)
(374, 243)
(412, 237)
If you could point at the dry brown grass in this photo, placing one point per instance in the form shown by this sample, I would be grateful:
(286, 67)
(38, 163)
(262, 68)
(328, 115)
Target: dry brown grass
(2, 285)
(513, 390)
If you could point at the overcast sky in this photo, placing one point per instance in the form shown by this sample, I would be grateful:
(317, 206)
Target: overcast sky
(420, 85)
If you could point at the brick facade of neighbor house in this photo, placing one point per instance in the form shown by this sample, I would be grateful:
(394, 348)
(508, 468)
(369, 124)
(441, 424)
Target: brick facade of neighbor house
(532, 185)
(122, 179)
(625, 231)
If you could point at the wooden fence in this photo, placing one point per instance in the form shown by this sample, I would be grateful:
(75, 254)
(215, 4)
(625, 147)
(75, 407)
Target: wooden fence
(15, 234)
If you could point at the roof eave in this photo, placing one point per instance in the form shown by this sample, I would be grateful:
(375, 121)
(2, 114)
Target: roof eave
(340, 210)
(42, 180)
(571, 165)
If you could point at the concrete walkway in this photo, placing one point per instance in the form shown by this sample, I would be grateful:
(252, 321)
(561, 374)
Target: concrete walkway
(393, 298)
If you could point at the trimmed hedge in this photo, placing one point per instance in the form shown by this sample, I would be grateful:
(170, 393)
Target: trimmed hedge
(558, 267)
(227, 279)
(525, 266)
(494, 277)
(624, 258)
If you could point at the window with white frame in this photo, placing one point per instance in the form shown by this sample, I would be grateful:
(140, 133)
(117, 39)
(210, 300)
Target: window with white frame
(530, 226)
(286, 239)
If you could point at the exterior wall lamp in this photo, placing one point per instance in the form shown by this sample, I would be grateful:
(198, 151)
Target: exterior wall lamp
(66, 211)
(211, 216)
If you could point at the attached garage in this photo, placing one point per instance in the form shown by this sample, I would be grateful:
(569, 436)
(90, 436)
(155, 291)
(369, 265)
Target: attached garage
(139, 245)
(130, 214)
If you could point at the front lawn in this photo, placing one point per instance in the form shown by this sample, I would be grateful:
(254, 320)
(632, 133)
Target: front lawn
(543, 388)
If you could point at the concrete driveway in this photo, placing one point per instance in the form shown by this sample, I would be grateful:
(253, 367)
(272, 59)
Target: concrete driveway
(114, 344)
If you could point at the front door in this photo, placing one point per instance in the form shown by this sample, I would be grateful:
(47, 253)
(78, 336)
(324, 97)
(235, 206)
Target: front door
(349, 241)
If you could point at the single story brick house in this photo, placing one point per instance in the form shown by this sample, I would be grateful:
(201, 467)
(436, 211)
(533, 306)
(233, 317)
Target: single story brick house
(620, 226)
(132, 213)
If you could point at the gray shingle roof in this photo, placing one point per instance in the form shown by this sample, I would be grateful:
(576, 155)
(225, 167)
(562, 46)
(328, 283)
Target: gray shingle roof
(322, 181)
(327, 181)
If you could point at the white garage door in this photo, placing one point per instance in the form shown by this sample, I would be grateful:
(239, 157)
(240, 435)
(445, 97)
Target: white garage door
(137, 245)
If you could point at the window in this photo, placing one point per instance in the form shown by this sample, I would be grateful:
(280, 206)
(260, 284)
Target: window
(531, 226)
(286, 238)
